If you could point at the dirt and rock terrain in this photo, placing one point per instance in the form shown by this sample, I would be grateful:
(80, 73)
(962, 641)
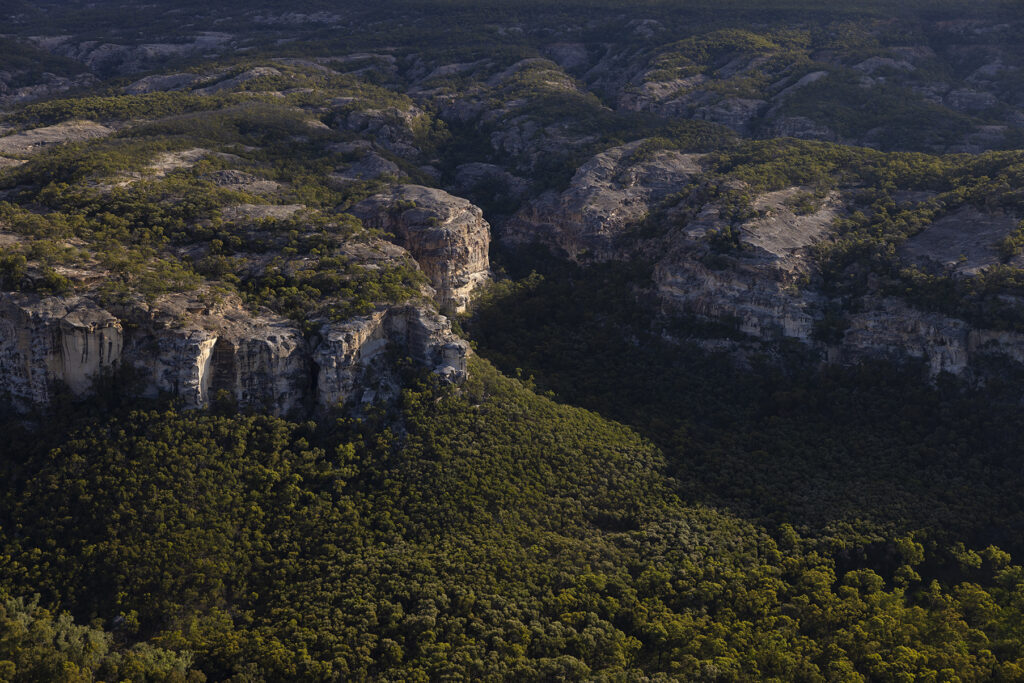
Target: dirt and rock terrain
(391, 131)
(443, 340)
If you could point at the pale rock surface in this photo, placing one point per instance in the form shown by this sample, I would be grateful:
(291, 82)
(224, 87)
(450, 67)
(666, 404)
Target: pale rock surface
(393, 128)
(199, 353)
(447, 236)
(892, 329)
(609, 194)
(35, 140)
(737, 113)
(49, 86)
(766, 286)
(45, 341)
(372, 166)
(162, 83)
(241, 212)
(113, 58)
(240, 79)
(755, 288)
(352, 356)
(240, 180)
(965, 241)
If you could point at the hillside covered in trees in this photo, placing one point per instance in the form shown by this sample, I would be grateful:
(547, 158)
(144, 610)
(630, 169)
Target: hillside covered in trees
(437, 340)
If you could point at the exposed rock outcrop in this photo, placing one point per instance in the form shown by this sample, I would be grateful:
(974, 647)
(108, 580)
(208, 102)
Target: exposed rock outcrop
(610, 193)
(35, 140)
(965, 241)
(758, 277)
(447, 236)
(395, 129)
(235, 81)
(162, 83)
(49, 85)
(764, 290)
(112, 58)
(351, 356)
(44, 341)
(182, 348)
(370, 167)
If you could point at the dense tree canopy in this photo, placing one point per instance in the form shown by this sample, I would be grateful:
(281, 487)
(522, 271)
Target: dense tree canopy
(486, 533)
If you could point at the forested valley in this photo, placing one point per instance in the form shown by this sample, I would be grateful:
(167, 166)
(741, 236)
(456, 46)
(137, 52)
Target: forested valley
(442, 341)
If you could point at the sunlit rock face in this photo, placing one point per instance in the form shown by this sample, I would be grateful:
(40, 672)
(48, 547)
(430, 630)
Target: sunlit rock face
(351, 357)
(181, 348)
(447, 235)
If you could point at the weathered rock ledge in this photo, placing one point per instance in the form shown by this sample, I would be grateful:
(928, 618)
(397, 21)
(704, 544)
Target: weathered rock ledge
(609, 194)
(181, 348)
(763, 282)
(447, 235)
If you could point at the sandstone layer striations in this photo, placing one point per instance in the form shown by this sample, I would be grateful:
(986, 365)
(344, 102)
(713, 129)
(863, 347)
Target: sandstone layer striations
(182, 348)
(447, 236)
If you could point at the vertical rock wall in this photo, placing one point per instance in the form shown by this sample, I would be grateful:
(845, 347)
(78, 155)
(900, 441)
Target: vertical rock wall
(262, 362)
(447, 236)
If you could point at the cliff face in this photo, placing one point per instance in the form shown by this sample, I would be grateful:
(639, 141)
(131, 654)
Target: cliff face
(766, 290)
(70, 340)
(608, 194)
(203, 353)
(181, 348)
(447, 236)
(761, 279)
(756, 283)
(351, 358)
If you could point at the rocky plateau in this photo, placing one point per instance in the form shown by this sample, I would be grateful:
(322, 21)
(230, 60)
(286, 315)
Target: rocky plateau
(533, 118)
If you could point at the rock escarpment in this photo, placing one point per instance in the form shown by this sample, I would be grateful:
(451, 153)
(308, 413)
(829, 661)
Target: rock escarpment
(609, 194)
(351, 357)
(396, 129)
(765, 288)
(755, 283)
(182, 348)
(759, 276)
(447, 236)
(41, 340)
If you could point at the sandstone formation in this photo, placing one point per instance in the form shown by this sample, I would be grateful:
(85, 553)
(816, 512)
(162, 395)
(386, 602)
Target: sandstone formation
(35, 140)
(235, 81)
(46, 340)
(113, 58)
(610, 193)
(50, 85)
(447, 236)
(351, 358)
(162, 83)
(756, 286)
(763, 283)
(371, 166)
(182, 348)
(393, 128)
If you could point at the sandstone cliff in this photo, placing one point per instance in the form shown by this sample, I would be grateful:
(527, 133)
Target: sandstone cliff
(447, 236)
(758, 276)
(182, 348)
(610, 193)
(351, 357)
